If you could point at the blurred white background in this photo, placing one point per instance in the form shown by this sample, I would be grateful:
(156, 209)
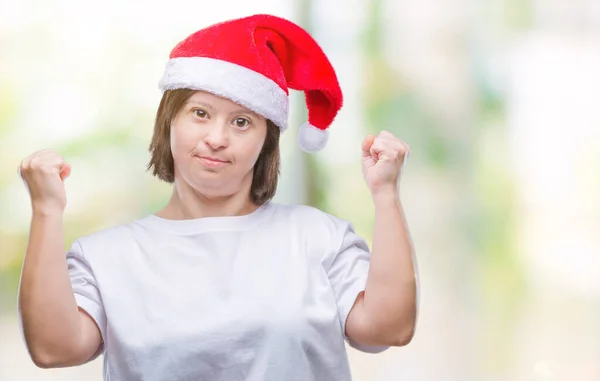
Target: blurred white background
(498, 99)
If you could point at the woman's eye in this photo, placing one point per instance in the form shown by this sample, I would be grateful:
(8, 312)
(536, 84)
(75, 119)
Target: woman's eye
(200, 113)
(241, 122)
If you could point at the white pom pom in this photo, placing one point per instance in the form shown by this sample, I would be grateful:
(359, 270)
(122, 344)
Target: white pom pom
(312, 139)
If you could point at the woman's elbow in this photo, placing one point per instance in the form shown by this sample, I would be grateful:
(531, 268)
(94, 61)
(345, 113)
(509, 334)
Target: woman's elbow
(46, 358)
(393, 336)
(404, 337)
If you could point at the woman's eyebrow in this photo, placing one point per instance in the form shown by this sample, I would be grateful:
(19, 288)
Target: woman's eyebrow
(198, 103)
(244, 111)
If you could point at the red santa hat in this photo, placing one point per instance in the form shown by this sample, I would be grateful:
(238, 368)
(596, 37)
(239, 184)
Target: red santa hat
(253, 61)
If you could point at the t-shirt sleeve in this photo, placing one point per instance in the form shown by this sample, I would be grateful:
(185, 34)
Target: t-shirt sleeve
(348, 276)
(85, 289)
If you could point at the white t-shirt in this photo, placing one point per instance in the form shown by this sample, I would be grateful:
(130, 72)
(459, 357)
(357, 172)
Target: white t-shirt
(264, 296)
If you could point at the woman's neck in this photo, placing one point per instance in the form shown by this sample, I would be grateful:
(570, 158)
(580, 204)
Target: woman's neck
(187, 203)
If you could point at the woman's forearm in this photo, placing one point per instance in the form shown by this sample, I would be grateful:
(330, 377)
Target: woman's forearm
(49, 313)
(391, 291)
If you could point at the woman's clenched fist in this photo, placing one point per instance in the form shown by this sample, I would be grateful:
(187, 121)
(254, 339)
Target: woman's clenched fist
(43, 173)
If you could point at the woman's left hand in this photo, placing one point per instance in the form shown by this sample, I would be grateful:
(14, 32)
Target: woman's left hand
(383, 157)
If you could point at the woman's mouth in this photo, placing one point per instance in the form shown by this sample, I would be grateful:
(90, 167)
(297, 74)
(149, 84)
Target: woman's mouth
(212, 162)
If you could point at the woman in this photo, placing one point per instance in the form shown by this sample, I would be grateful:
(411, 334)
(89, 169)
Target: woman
(222, 283)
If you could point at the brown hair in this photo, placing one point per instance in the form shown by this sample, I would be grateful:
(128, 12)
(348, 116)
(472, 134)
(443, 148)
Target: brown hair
(266, 169)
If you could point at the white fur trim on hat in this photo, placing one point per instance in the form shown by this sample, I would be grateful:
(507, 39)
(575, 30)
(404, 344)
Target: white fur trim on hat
(237, 83)
(312, 139)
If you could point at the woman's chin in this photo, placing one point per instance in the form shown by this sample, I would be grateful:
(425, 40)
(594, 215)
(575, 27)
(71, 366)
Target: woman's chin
(211, 187)
(214, 184)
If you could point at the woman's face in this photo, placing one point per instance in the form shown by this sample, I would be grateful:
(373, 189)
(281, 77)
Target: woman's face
(215, 144)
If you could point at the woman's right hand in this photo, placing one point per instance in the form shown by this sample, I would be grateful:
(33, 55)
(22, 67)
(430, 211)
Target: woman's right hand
(44, 173)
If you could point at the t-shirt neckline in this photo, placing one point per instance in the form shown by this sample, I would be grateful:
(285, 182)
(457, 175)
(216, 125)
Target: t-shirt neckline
(205, 224)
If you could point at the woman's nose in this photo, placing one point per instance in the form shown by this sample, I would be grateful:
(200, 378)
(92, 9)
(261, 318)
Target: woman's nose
(217, 136)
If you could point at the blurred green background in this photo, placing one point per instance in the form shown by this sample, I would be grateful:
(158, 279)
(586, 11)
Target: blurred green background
(498, 100)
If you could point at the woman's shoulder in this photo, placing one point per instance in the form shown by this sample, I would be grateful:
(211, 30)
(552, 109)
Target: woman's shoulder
(309, 216)
(107, 235)
(322, 232)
